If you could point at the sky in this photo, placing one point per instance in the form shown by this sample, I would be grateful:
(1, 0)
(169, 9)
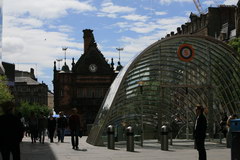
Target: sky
(35, 31)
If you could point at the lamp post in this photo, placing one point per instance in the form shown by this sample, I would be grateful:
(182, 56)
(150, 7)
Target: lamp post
(65, 52)
(142, 130)
(119, 50)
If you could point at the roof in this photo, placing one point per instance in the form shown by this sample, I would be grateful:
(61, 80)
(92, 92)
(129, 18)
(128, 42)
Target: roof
(27, 80)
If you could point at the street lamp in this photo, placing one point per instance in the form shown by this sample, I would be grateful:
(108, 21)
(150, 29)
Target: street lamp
(140, 83)
(65, 52)
(119, 50)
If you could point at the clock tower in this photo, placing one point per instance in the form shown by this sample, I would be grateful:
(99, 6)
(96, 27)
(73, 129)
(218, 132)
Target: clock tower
(85, 86)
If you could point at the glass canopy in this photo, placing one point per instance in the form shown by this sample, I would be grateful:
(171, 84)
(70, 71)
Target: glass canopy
(162, 85)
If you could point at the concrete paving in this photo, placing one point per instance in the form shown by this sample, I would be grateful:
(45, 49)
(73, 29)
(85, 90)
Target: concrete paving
(180, 150)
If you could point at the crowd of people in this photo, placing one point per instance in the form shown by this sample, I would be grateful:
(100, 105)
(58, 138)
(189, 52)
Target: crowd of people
(37, 127)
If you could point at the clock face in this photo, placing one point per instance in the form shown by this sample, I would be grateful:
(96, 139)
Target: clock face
(93, 67)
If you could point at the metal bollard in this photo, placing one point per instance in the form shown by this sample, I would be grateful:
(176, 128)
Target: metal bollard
(164, 138)
(130, 139)
(111, 140)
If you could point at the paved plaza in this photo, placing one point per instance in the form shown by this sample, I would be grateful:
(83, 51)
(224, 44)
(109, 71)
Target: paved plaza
(180, 150)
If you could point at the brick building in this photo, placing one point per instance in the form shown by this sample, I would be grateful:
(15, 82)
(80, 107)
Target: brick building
(85, 85)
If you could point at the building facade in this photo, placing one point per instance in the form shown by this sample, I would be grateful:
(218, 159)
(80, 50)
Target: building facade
(28, 89)
(220, 22)
(85, 85)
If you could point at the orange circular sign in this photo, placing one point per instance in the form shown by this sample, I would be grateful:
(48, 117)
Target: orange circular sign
(185, 52)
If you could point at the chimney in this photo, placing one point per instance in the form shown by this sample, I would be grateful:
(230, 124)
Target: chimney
(88, 39)
(32, 71)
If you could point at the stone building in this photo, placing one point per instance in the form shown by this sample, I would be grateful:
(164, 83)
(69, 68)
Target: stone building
(28, 89)
(50, 100)
(220, 22)
(85, 85)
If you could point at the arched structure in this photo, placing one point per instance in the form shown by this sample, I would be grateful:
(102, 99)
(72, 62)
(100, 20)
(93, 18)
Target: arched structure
(163, 83)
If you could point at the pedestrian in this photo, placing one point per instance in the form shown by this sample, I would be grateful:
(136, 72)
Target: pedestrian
(200, 132)
(223, 125)
(75, 127)
(51, 126)
(11, 132)
(22, 119)
(229, 133)
(33, 126)
(61, 125)
(42, 126)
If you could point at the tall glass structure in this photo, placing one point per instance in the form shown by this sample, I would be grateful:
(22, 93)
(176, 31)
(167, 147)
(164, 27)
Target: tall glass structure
(163, 84)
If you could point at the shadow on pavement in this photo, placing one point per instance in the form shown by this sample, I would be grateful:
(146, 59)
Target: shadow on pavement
(35, 151)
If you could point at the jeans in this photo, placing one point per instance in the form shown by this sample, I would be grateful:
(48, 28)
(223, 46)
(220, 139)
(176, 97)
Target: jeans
(74, 138)
(61, 133)
(41, 135)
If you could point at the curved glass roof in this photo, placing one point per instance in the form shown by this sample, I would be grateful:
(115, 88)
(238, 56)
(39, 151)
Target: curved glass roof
(165, 81)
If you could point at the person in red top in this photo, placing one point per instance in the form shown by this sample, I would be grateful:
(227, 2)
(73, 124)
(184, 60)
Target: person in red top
(75, 127)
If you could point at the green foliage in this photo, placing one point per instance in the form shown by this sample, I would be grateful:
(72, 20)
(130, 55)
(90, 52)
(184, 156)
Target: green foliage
(25, 108)
(235, 44)
(5, 94)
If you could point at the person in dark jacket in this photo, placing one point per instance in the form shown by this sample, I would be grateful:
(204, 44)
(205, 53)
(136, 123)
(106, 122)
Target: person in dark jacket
(42, 126)
(51, 126)
(61, 125)
(11, 132)
(200, 132)
(33, 127)
(75, 127)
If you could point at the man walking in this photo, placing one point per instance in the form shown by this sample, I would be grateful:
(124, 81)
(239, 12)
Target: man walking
(200, 132)
(75, 126)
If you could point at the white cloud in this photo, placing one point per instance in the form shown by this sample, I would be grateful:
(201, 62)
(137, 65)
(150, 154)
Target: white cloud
(135, 17)
(62, 28)
(167, 24)
(167, 2)
(110, 10)
(109, 7)
(160, 13)
(45, 9)
(209, 3)
(27, 21)
(231, 2)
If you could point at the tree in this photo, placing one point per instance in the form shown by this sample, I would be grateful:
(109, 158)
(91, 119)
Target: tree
(5, 94)
(235, 44)
(25, 108)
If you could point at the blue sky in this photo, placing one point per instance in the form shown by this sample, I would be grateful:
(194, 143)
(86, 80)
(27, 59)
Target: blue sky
(34, 31)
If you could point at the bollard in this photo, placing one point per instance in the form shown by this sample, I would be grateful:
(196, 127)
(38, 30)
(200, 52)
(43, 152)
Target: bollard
(111, 140)
(164, 138)
(130, 139)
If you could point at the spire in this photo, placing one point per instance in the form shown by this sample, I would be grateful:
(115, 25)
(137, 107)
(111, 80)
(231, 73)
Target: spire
(73, 63)
(112, 64)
